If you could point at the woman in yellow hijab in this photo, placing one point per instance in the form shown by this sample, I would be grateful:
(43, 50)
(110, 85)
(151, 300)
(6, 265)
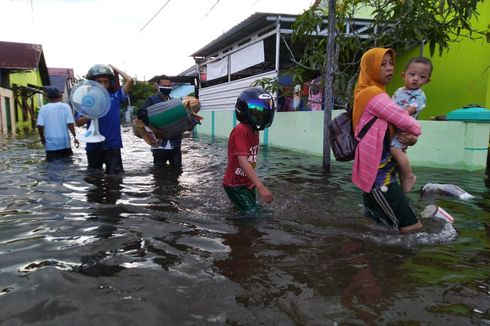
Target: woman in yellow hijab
(374, 170)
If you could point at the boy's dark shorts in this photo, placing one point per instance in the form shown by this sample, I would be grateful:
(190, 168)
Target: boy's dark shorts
(244, 199)
(392, 207)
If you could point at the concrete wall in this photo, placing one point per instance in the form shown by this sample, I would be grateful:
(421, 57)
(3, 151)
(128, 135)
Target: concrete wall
(443, 144)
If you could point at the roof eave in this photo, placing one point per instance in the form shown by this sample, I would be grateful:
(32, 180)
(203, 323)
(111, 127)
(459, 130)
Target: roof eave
(234, 32)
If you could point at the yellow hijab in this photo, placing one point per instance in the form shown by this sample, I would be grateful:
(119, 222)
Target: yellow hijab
(368, 84)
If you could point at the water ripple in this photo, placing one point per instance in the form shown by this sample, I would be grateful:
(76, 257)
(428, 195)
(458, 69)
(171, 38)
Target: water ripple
(159, 247)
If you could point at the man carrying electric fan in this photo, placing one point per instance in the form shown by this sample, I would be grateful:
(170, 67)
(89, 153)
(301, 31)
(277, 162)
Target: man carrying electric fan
(107, 152)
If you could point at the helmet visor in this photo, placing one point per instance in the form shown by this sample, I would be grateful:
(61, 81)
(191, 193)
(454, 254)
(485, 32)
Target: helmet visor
(260, 105)
(261, 112)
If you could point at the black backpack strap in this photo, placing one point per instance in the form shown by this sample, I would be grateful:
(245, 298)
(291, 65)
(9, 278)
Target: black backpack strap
(387, 139)
(366, 127)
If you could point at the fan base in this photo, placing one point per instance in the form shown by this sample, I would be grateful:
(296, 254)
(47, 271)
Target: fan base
(92, 138)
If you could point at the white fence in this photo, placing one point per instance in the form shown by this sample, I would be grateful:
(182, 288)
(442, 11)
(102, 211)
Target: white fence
(223, 96)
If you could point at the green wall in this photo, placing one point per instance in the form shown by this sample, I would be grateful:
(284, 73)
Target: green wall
(461, 75)
(23, 79)
(444, 144)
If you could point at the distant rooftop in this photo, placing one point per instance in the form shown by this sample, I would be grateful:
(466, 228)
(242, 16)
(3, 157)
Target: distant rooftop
(65, 72)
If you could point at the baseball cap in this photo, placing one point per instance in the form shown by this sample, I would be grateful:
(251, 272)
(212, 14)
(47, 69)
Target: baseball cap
(52, 92)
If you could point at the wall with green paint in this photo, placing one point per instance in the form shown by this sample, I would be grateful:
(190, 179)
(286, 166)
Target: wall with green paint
(443, 144)
(23, 79)
(26, 77)
(461, 74)
(301, 131)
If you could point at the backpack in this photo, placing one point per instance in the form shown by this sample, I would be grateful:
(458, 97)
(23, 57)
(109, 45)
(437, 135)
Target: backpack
(342, 140)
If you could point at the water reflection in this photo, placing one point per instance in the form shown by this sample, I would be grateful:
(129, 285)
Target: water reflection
(166, 247)
(241, 261)
(105, 190)
(57, 170)
(166, 189)
(363, 293)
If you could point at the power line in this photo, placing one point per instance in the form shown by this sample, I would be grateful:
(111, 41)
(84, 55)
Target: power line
(166, 3)
(211, 9)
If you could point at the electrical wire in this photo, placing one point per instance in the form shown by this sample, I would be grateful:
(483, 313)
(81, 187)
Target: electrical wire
(166, 3)
(211, 9)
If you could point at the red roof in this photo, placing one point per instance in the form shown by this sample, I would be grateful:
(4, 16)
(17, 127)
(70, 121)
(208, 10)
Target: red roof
(65, 72)
(20, 55)
(23, 56)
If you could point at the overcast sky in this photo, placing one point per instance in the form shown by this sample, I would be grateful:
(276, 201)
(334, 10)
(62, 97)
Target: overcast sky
(79, 33)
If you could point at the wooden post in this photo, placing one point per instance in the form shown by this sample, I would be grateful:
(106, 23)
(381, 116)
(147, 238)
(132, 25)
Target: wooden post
(329, 99)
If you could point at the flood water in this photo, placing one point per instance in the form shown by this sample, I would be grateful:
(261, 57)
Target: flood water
(158, 248)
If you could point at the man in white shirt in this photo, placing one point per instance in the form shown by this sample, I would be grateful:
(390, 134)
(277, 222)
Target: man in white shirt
(54, 121)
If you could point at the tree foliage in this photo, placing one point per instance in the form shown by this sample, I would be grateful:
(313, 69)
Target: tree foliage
(399, 24)
(140, 91)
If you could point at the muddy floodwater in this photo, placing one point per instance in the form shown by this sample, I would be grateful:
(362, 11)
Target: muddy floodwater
(161, 248)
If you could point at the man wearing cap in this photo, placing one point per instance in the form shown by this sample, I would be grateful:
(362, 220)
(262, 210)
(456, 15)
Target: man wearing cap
(54, 120)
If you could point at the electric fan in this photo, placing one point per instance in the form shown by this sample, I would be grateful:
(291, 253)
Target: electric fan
(91, 100)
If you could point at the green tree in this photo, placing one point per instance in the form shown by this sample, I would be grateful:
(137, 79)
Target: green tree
(399, 24)
(140, 91)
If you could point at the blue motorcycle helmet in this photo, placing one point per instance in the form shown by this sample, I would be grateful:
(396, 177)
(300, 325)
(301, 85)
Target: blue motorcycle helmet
(255, 106)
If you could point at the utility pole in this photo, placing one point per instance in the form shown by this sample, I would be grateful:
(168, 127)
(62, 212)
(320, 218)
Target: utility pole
(329, 98)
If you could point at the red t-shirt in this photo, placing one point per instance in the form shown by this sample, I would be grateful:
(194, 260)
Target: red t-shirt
(243, 141)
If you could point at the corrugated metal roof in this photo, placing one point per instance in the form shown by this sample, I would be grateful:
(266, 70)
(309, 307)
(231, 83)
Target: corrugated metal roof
(23, 56)
(66, 72)
(182, 90)
(58, 81)
(176, 79)
(59, 77)
(252, 24)
(20, 56)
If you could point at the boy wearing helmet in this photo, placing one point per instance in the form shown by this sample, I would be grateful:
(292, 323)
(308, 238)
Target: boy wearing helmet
(108, 152)
(255, 111)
